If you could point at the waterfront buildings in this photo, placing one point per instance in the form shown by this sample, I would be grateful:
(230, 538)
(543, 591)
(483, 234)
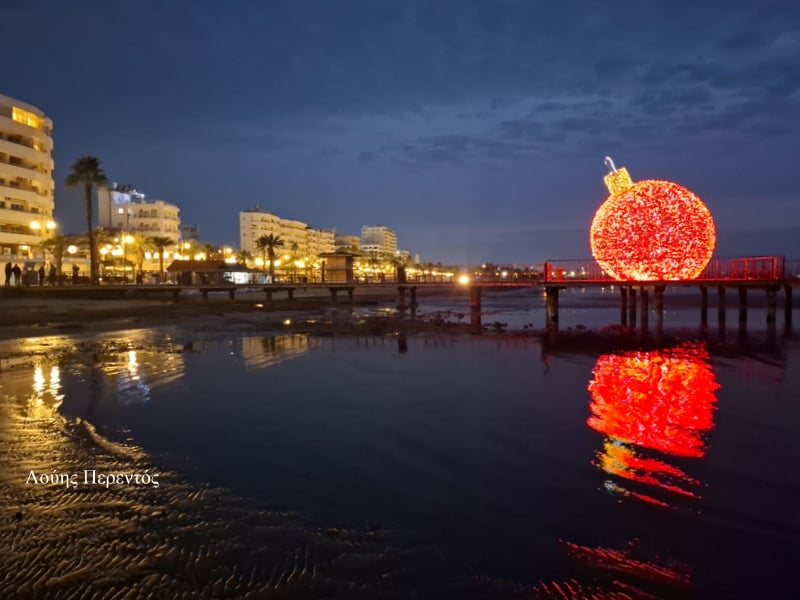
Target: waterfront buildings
(26, 177)
(380, 239)
(298, 238)
(189, 232)
(348, 242)
(124, 208)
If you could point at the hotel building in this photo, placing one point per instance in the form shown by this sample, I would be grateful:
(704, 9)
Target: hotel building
(255, 223)
(126, 209)
(377, 238)
(26, 177)
(349, 242)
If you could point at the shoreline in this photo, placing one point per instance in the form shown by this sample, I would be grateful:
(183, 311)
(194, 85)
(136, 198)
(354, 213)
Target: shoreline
(373, 312)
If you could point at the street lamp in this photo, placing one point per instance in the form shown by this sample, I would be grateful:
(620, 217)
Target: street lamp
(44, 229)
(127, 214)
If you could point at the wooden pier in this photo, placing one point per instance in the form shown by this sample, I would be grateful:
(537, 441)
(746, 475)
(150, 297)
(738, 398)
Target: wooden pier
(766, 275)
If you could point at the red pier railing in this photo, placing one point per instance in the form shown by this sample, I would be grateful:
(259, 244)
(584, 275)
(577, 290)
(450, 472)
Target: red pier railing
(749, 268)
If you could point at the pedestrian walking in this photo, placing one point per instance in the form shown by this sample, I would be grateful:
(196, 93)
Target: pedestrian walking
(9, 270)
(41, 275)
(17, 275)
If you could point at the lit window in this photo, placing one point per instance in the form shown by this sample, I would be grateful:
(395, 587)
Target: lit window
(26, 118)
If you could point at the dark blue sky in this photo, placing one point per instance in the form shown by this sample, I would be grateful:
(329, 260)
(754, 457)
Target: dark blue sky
(475, 128)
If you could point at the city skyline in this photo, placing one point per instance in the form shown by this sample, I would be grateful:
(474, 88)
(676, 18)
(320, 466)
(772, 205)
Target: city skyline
(476, 130)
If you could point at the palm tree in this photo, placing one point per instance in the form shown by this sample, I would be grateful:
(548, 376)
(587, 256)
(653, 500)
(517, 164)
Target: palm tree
(293, 258)
(86, 172)
(142, 245)
(244, 257)
(211, 251)
(267, 245)
(57, 245)
(101, 238)
(160, 243)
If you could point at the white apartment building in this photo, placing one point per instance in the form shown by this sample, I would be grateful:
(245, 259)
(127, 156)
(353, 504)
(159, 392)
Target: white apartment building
(377, 238)
(320, 241)
(126, 209)
(26, 177)
(255, 223)
(348, 241)
(189, 232)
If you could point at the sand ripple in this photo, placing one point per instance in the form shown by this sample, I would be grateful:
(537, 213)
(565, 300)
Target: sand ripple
(180, 540)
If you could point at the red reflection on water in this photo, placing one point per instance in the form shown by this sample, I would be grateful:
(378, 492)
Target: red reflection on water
(660, 400)
(630, 574)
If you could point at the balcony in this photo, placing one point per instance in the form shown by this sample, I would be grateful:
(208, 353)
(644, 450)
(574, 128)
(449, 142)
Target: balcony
(12, 128)
(22, 191)
(10, 172)
(25, 151)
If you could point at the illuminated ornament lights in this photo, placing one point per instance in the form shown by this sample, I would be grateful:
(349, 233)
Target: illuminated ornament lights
(658, 401)
(651, 230)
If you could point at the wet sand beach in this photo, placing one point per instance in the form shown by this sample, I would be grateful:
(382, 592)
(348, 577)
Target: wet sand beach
(83, 517)
(66, 532)
(158, 536)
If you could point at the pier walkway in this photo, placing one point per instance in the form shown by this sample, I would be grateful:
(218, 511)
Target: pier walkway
(742, 274)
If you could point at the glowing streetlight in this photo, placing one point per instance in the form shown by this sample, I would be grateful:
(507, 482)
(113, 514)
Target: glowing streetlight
(127, 214)
(43, 229)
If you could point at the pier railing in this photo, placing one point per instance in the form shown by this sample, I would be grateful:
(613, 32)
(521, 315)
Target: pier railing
(758, 268)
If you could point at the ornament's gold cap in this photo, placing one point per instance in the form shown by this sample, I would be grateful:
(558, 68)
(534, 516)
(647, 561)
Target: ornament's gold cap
(617, 179)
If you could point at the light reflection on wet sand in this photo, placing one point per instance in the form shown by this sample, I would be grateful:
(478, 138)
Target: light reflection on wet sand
(63, 534)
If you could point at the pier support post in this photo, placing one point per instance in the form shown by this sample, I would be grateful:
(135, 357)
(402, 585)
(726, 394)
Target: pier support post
(401, 299)
(334, 294)
(644, 317)
(551, 308)
(350, 292)
(787, 306)
(658, 307)
(721, 308)
(623, 310)
(742, 304)
(772, 310)
(269, 295)
(772, 306)
(703, 305)
(413, 304)
(742, 311)
(475, 308)
(632, 307)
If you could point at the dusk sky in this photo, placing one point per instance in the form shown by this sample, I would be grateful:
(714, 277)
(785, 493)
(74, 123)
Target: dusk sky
(475, 129)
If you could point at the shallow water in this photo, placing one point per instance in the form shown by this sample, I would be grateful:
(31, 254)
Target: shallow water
(526, 472)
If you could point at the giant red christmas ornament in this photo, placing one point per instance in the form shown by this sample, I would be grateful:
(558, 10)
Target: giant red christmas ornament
(651, 230)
